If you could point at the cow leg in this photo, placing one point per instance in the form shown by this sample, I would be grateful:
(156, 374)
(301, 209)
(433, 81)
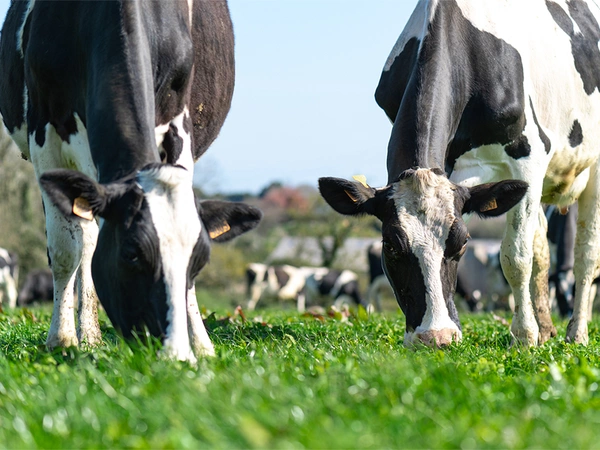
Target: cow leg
(255, 294)
(88, 330)
(199, 339)
(587, 246)
(517, 260)
(65, 244)
(539, 280)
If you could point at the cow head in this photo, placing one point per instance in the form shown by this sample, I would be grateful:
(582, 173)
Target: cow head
(424, 237)
(154, 238)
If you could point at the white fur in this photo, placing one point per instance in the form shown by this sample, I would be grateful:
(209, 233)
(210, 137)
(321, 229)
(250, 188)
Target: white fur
(168, 191)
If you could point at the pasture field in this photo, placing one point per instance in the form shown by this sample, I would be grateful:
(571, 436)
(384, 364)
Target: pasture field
(283, 380)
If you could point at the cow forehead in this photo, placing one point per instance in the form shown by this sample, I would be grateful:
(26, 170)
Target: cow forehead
(170, 197)
(425, 204)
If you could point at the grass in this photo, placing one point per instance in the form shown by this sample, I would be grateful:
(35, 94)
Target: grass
(288, 381)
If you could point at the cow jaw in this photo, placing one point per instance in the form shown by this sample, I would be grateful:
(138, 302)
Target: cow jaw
(168, 191)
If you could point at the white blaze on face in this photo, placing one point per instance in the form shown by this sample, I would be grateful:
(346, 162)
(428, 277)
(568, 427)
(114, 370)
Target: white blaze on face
(425, 205)
(168, 191)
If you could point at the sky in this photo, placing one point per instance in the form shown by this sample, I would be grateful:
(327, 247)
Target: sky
(303, 106)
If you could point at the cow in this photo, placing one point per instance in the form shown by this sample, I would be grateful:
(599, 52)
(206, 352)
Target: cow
(113, 102)
(298, 284)
(495, 109)
(38, 286)
(9, 273)
(480, 281)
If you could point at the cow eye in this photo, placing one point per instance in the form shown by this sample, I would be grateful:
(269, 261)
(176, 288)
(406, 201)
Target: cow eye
(390, 250)
(463, 249)
(130, 256)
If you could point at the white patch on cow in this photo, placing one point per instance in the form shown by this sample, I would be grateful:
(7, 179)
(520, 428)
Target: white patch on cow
(168, 191)
(425, 206)
(21, 30)
(345, 277)
(8, 281)
(416, 27)
(159, 133)
(186, 158)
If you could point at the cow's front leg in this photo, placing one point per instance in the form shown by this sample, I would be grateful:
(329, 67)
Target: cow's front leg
(65, 244)
(88, 329)
(539, 280)
(587, 247)
(199, 339)
(517, 260)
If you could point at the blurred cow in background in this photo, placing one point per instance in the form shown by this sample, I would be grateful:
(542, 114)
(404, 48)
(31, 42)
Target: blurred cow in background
(9, 274)
(287, 282)
(38, 286)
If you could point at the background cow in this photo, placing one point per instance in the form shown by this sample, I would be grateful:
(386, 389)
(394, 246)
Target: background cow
(38, 286)
(495, 108)
(300, 284)
(113, 107)
(9, 274)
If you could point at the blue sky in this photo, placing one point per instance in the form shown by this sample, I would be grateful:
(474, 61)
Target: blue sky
(303, 107)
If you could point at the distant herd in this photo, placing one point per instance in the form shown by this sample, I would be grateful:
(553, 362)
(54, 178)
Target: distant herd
(494, 108)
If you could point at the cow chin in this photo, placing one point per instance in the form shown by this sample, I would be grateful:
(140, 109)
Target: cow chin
(432, 338)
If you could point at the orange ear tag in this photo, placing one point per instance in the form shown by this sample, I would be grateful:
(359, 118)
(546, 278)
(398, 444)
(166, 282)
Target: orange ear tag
(82, 208)
(489, 205)
(219, 231)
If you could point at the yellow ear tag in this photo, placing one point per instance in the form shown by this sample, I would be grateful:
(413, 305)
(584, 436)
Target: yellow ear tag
(219, 231)
(352, 197)
(82, 208)
(361, 179)
(489, 205)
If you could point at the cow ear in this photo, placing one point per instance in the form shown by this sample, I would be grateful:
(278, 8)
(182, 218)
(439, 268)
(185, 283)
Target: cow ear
(347, 197)
(226, 220)
(74, 193)
(494, 199)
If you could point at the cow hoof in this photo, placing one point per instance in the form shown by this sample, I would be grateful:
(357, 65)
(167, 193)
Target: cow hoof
(436, 338)
(524, 338)
(171, 353)
(61, 341)
(576, 333)
(90, 339)
(547, 331)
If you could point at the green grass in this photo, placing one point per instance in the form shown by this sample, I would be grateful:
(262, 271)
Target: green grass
(288, 381)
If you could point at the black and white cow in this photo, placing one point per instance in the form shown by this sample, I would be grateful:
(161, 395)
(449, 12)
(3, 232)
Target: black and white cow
(9, 272)
(38, 286)
(298, 284)
(495, 108)
(113, 101)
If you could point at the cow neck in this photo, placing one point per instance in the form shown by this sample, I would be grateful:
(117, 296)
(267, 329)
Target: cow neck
(429, 112)
(121, 92)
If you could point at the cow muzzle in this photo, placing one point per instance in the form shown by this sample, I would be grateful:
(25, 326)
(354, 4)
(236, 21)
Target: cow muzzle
(432, 338)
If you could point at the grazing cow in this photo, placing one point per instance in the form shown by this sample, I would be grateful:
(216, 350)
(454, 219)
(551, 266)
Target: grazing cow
(299, 283)
(9, 271)
(38, 286)
(495, 108)
(113, 101)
